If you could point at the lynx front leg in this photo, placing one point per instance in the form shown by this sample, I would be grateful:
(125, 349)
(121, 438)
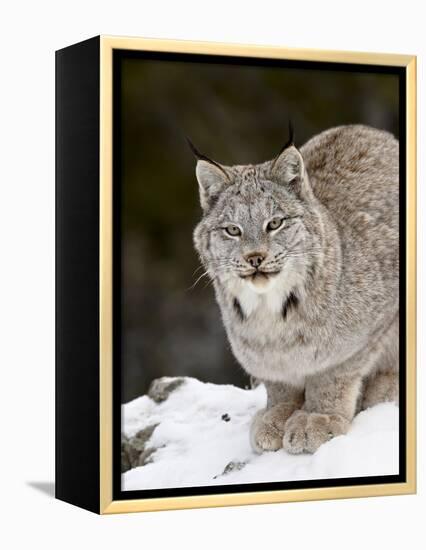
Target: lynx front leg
(267, 428)
(330, 403)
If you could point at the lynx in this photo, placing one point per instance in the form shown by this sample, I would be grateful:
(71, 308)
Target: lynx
(303, 254)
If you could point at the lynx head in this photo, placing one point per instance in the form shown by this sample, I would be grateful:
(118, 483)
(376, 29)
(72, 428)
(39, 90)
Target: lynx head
(257, 221)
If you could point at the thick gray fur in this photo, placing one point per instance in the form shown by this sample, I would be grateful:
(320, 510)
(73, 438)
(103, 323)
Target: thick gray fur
(320, 325)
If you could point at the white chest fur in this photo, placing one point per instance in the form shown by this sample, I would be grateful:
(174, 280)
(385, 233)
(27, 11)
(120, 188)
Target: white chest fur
(268, 341)
(263, 298)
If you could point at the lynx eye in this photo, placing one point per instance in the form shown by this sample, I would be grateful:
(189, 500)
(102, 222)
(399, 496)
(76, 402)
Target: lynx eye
(233, 230)
(275, 223)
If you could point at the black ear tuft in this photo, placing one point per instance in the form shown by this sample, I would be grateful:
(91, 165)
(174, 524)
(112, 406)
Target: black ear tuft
(194, 150)
(290, 140)
(201, 156)
(198, 155)
(291, 132)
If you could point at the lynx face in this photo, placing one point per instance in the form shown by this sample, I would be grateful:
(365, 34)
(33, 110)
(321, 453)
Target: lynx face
(255, 229)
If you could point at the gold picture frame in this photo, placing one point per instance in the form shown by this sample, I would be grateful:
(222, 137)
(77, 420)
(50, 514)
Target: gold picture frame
(106, 503)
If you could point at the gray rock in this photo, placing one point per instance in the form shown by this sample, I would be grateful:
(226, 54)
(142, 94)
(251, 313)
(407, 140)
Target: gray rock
(134, 450)
(231, 467)
(161, 388)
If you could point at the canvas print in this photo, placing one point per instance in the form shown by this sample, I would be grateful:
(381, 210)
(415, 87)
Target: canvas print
(257, 271)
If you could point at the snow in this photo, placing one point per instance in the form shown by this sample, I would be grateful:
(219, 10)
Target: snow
(194, 444)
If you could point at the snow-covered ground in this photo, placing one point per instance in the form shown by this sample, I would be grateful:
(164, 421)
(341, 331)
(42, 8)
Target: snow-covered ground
(202, 438)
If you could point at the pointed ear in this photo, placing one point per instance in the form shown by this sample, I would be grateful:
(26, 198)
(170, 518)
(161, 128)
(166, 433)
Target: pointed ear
(287, 166)
(288, 169)
(212, 179)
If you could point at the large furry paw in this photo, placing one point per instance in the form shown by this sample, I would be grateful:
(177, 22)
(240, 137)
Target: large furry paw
(305, 432)
(264, 434)
(267, 428)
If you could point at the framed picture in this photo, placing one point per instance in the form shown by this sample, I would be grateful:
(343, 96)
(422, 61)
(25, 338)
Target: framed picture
(235, 281)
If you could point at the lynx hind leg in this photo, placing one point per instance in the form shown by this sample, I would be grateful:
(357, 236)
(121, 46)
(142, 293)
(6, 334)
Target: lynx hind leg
(380, 387)
(382, 384)
(267, 428)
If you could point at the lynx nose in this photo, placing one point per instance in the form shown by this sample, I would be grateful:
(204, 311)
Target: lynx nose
(255, 259)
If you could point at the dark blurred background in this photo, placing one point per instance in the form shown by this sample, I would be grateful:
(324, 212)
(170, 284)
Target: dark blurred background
(236, 115)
